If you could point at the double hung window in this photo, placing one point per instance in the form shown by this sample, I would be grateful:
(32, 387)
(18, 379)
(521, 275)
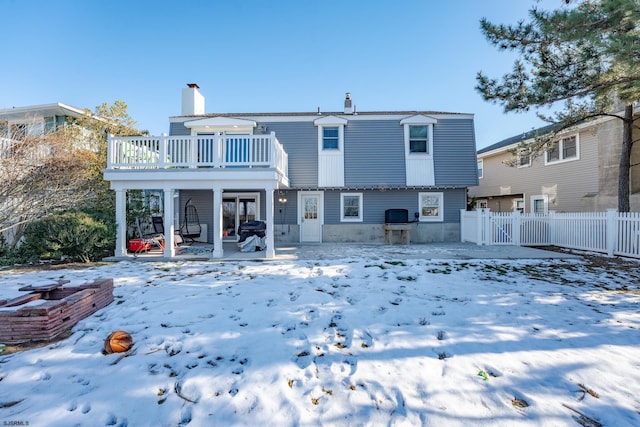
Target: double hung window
(351, 207)
(563, 150)
(419, 139)
(330, 138)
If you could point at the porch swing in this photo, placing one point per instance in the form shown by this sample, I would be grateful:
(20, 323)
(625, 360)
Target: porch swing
(190, 228)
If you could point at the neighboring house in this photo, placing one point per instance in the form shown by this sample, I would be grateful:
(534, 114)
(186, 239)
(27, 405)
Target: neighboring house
(19, 123)
(578, 173)
(312, 177)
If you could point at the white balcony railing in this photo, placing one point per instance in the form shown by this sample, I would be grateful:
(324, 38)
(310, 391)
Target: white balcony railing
(201, 151)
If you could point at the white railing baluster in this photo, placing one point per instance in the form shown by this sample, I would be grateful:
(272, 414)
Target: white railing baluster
(219, 150)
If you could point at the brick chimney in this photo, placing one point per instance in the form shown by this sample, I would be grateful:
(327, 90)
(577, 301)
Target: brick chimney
(347, 104)
(192, 100)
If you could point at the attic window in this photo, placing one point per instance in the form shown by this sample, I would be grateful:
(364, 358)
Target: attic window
(418, 135)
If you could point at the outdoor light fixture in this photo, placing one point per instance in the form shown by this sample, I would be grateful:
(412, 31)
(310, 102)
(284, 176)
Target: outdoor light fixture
(282, 197)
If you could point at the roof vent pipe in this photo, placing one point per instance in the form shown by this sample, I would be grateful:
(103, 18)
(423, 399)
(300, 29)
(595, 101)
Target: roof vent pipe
(347, 104)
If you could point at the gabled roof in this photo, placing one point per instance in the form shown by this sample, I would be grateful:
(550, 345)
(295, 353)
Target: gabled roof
(418, 119)
(44, 110)
(518, 138)
(330, 120)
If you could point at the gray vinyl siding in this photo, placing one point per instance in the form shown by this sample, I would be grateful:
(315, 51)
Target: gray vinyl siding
(203, 201)
(454, 153)
(300, 141)
(61, 121)
(286, 213)
(374, 153)
(178, 129)
(376, 202)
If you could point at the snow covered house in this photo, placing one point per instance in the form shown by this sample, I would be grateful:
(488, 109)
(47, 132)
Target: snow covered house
(311, 177)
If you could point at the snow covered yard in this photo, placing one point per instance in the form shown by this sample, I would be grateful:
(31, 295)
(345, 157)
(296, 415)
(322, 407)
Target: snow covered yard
(359, 341)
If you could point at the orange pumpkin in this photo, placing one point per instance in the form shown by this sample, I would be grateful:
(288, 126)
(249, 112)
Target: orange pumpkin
(118, 342)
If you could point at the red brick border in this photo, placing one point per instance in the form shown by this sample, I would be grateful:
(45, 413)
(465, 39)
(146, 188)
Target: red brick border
(63, 308)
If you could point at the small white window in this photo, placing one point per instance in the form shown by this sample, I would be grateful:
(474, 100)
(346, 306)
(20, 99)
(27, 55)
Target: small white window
(482, 204)
(518, 205)
(524, 158)
(418, 136)
(563, 150)
(419, 139)
(331, 138)
(431, 206)
(540, 204)
(351, 207)
(480, 168)
(330, 135)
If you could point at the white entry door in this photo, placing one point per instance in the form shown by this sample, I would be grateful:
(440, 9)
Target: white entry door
(311, 217)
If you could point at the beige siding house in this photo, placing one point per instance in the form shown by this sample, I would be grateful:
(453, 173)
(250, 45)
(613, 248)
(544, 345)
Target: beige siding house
(579, 173)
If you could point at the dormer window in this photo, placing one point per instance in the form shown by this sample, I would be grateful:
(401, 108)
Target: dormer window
(330, 151)
(330, 138)
(419, 139)
(330, 133)
(418, 135)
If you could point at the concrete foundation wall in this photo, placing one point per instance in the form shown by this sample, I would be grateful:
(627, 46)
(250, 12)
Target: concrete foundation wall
(374, 233)
(287, 233)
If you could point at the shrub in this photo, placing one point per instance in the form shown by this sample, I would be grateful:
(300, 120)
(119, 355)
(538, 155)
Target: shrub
(75, 235)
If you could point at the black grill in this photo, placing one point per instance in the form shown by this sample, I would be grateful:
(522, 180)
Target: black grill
(251, 228)
(396, 216)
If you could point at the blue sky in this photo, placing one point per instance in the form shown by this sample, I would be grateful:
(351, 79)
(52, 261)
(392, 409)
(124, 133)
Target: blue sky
(259, 56)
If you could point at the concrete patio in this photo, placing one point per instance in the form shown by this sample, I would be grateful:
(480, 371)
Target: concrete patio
(312, 251)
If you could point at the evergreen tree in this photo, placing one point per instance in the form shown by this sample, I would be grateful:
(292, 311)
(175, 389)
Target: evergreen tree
(585, 54)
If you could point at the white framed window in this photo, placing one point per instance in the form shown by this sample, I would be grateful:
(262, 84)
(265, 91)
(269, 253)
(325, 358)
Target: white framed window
(330, 134)
(540, 204)
(331, 138)
(418, 136)
(480, 168)
(330, 150)
(518, 205)
(524, 158)
(419, 139)
(351, 207)
(431, 206)
(563, 150)
(482, 204)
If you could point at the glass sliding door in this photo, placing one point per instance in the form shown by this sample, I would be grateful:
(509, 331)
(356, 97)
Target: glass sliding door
(229, 227)
(237, 209)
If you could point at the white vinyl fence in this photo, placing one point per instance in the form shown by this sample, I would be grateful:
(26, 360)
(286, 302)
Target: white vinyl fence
(611, 232)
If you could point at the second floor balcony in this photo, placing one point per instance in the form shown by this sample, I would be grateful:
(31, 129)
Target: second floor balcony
(218, 151)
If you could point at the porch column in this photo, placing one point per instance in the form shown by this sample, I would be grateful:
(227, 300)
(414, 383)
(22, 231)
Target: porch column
(218, 251)
(169, 229)
(270, 252)
(121, 223)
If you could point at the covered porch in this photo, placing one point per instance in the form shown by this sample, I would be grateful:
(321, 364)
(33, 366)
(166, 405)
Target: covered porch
(214, 171)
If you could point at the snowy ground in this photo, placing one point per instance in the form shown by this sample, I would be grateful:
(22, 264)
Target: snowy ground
(356, 341)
